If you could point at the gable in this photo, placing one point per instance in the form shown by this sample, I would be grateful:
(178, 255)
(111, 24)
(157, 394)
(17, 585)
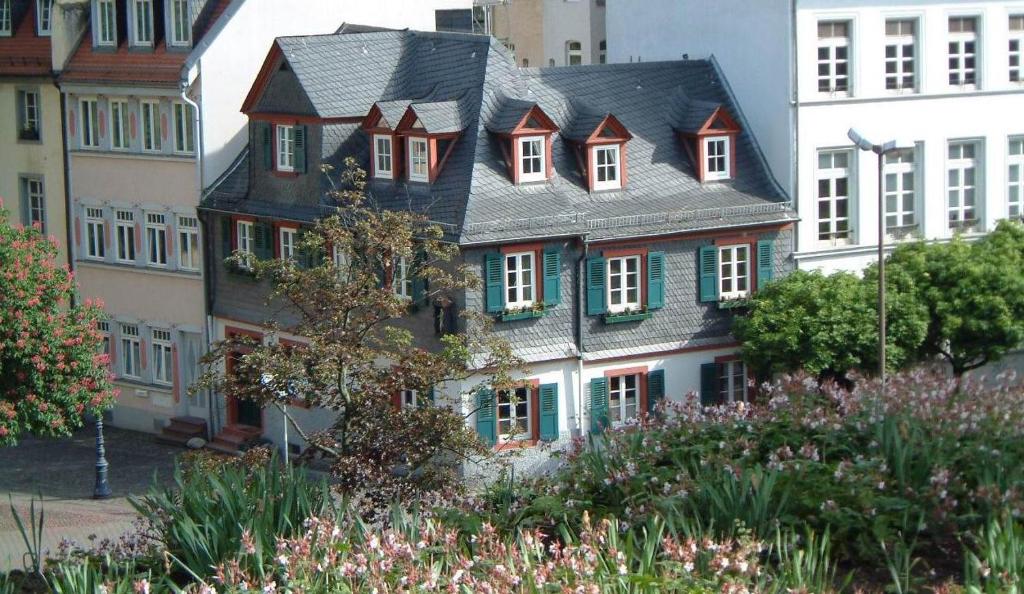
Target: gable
(282, 93)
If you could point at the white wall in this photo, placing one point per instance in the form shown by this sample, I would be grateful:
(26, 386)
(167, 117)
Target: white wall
(566, 20)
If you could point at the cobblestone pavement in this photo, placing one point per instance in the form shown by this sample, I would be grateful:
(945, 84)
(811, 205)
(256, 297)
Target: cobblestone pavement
(63, 472)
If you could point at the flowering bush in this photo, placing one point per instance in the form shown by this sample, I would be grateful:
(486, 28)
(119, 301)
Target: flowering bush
(52, 368)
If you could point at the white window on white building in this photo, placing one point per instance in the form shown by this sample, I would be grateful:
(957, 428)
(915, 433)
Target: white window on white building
(184, 129)
(131, 351)
(962, 184)
(531, 159)
(119, 122)
(623, 284)
(963, 52)
(104, 328)
(125, 235)
(181, 23)
(340, 258)
(90, 123)
(288, 237)
(734, 271)
(402, 283)
(29, 115)
(606, 167)
(732, 381)
(1016, 55)
(143, 22)
(188, 243)
(163, 357)
(285, 147)
(623, 398)
(833, 196)
(44, 16)
(383, 157)
(901, 55)
(573, 53)
(106, 23)
(1015, 178)
(5, 18)
(409, 399)
(151, 139)
(834, 57)
(519, 280)
(900, 193)
(717, 158)
(95, 239)
(245, 234)
(514, 414)
(418, 167)
(156, 240)
(35, 201)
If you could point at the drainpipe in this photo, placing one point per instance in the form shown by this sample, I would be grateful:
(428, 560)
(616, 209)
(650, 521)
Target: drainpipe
(69, 213)
(794, 78)
(580, 349)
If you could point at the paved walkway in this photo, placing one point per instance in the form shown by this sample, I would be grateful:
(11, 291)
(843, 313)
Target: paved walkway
(63, 472)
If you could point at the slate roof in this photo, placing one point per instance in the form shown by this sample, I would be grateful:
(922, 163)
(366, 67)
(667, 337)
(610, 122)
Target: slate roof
(473, 196)
(440, 117)
(392, 111)
(691, 114)
(24, 53)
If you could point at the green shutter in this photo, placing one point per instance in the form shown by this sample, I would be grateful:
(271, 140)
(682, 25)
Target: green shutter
(655, 388)
(595, 286)
(493, 264)
(709, 392)
(267, 137)
(26, 215)
(263, 240)
(225, 236)
(655, 280)
(598, 404)
(300, 149)
(549, 412)
(708, 273)
(419, 282)
(765, 262)
(432, 395)
(486, 424)
(552, 277)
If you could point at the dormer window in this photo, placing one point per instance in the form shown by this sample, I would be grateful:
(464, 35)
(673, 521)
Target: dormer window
(600, 144)
(44, 14)
(383, 156)
(142, 30)
(285, 148)
(709, 135)
(532, 159)
(525, 134)
(181, 25)
(606, 167)
(716, 157)
(419, 164)
(106, 19)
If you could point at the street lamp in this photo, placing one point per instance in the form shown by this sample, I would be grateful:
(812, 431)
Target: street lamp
(881, 150)
(102, 490)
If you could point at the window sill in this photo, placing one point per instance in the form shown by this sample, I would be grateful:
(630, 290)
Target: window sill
(278, 173)
(734, 302)
(526, 314)
(518, 444)
(627, 316)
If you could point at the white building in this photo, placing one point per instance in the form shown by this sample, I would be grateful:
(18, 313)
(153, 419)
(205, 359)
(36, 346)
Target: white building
(944, 76)
(548, 32)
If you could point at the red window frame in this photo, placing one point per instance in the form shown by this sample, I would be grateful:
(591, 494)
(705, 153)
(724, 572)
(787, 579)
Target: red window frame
(747, 393)
(537, 249)
(231, 401)
(639, 370)
(533, 389)
(640, 252)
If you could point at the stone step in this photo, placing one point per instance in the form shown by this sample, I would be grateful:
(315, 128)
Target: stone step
(223, 447)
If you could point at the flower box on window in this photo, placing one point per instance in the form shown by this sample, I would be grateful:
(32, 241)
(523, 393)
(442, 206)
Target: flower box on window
(734, 303)
(523, 313)
(630, 315)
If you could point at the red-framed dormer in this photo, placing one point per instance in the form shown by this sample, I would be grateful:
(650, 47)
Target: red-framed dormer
(526, 144)
(386, 146)
(601, 152)
(428, 133)
(711, 142)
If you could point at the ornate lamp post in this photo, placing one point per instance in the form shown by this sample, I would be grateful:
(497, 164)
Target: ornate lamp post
(102, 490)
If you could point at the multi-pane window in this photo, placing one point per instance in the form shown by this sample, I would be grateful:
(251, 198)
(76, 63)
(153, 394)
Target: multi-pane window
(834, 57)
(143, 23)
(95, 240)
(184, 131)
(131, 351)
(734, 271)
(519, 280)
(340, 258)
(107, 23)
(963, 51)
(573, 53)
(124, 228)
(163, 357)
(402, 282)
(29, 115)
(90, 123)
(285, 148)
(417, 159)
(383, 155)
(962, 184)
(531, 159)
(833, 177)
(44, 16)
(732, 381)
(5, 18)
(602, 48)
(119, 121)
(150, 125)
(188, 243)
(409, 398)
(623, 283)
(900, 193)
(181, 25)
(1016, 55)
(1015, 178)
(623, 398)
(288, 237)
(513, 414)
(606, 167)
(900, 55)
(156, 239)
(244, 232)
(716, 157)
(35, 202)
(104, 328)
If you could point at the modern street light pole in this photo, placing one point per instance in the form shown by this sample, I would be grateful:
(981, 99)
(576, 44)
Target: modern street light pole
(102, 490)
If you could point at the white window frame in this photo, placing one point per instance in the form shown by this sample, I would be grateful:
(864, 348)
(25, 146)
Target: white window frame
(180, 18)
(620, 410)
(284, 141)
(163, 357)
(149, 113)
(732, 381)
(961, 38)
(120, 135)
(130, 352)
(899, 168)
(124, 236)
(1015, 177)
(156, 240)
(408, 399)
(1015, 47)
(520, 279)
(90, 124)
(573, 53)
(401, 282)
(6, 18)
(962, 165)
(383, 154)
(507, 413)
(44, 17)
(184, 130)
(901, 65)
(540, 158)
(613, 166)
(30, 111)
(287, 236)
(734, 271)
(188, 243)
(36, 199)
(103, 326)
(340, 259)
(142, 21)
(106, 16)
(619, 286)
(602, 52)
(95, 233)
(724, 158)
(838, 85)
(833, 174)
(419, 158)
(245, 235)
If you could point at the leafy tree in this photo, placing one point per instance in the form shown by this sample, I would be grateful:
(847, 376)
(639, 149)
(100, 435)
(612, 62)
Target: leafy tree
(358, 349)
(52, 369)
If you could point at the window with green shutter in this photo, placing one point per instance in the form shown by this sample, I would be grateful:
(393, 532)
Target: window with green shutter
(655, 389)
(263, 242)
(267, 140)
(655, 280)
(596, 302)
(486, 426)
(708, 273)
(495, 295)
(226, 240)
(552, 277)
(300, 149)
(549, 412)
(709, 392)
(765, 262)
(598, 404)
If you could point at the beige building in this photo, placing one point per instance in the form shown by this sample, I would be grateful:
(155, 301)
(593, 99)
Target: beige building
(549, 32)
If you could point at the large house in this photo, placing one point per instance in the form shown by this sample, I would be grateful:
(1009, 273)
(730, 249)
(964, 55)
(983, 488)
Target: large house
(614, 212)
(944, 78)
(548, 32)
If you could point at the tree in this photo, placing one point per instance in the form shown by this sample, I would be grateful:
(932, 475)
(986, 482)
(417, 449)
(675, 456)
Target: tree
(358, 350)
(52, 368)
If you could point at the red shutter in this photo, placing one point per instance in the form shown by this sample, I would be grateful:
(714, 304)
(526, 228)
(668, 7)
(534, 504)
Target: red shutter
(132, 125)
(396, 400)
(142, 353)
(169, 240)
(103, 122)
(106, 234)
(163, 126)
(138, 239)
(78, 231)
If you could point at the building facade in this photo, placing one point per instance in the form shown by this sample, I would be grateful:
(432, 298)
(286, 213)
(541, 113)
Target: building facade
(615, 212)
(942, 78)
(543, 33)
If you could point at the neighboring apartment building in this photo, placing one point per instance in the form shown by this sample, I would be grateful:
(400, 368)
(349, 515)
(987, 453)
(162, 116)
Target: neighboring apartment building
(548, 32)
(613, 211)
(944, 77)
(152, 91)
(31, 147)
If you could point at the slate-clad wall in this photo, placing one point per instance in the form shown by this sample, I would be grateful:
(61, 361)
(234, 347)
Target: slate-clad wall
(302, 189)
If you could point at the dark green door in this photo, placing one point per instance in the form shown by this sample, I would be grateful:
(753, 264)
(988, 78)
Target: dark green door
(249, 413)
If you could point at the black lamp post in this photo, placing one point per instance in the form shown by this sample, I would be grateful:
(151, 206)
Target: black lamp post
(102, 490)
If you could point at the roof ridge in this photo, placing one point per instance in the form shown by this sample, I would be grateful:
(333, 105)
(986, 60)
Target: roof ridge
(613, 66)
